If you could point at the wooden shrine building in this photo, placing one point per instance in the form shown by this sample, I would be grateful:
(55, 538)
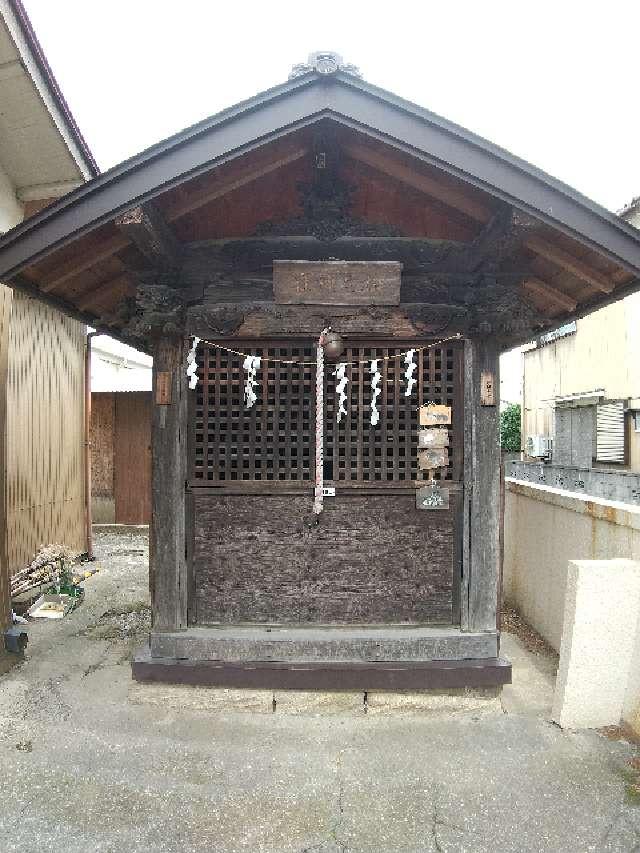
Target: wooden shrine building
(324, 203)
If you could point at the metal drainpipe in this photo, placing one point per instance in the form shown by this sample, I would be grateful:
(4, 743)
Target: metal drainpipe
(87, 444)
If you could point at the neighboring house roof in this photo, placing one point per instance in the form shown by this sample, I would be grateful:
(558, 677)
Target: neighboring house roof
(41, 148)
(583, 257)
(118, 367)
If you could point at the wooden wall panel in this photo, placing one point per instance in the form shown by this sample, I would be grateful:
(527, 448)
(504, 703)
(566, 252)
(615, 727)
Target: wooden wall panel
(369, 559)
(45, 431)
(102, 433)
(101, 440)
(132, 457)
(5, 318)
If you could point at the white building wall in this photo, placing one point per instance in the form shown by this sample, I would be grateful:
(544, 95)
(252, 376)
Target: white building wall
(11, 211)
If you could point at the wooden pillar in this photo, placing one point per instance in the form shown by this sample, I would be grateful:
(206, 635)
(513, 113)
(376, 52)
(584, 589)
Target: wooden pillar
(481, 543)
(168, 566)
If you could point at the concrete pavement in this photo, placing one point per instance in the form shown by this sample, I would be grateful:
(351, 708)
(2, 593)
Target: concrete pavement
(93, 763)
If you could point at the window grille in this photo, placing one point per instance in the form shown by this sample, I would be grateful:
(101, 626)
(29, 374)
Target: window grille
(275, 439)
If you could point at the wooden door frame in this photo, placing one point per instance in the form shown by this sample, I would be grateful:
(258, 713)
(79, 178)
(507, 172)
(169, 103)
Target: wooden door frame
(169, 576)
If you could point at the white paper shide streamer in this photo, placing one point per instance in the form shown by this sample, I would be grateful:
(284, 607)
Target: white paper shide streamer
(251, 365)
(375, 391)
(341, 389)
(192, 364)
(408, 374)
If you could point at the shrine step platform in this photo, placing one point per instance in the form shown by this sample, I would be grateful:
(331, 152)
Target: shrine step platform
(324, 658)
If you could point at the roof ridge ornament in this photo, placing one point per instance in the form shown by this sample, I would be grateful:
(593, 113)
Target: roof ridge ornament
(324, 62)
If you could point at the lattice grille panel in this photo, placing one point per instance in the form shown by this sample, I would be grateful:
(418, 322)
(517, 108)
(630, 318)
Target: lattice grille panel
(275, 440)
(355, 451)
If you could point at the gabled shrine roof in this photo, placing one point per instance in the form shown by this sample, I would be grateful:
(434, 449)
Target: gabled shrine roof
(412, 171)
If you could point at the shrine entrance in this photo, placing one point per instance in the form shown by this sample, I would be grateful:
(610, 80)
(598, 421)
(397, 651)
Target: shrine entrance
(257, 552)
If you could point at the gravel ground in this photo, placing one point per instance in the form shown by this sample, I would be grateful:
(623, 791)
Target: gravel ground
(513, 623)
(92, 762)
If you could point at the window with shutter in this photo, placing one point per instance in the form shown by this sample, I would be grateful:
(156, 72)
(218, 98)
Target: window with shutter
(610, 443)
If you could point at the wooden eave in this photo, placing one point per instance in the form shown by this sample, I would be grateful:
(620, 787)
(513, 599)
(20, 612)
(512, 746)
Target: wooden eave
(89, 251)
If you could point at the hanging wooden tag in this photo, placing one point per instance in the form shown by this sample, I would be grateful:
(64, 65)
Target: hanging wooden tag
(487, 389)
(437, 457)
(163, 388)
(434, 437)
(434, 415)
(432, 496)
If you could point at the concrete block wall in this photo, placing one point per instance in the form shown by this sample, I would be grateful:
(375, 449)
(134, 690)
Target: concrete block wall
(544, 529)
(572, 568)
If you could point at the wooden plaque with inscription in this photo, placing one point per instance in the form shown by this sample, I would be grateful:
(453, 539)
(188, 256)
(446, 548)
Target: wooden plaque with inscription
(336, 282)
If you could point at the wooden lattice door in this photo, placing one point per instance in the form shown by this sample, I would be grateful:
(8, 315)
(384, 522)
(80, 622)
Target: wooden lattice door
(258, 555)
(274, 440)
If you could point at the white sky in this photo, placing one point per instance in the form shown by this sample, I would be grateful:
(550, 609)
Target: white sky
(554, 82)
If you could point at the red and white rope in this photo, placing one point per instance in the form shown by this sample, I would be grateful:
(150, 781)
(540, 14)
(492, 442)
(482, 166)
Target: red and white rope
(317, 495)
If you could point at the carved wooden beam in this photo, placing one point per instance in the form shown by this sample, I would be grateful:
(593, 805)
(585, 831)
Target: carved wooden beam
(499, 241)
(263, 320)
(491, 308)
(251, 256)
(156, 309)
(146, 228)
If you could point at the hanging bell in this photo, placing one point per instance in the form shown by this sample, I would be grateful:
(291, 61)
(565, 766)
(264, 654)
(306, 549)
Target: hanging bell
(333, 345)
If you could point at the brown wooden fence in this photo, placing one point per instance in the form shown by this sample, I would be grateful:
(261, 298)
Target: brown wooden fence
(121, 457)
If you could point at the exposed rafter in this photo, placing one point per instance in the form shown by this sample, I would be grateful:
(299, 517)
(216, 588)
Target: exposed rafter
(70, 309)
(65, 272)
(101, 291)
(546, 291)
(221, 185)
(146, 228)
(444, 191)
(569, 263)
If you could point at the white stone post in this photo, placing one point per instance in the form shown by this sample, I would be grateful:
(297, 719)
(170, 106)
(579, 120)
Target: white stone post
(602, 605)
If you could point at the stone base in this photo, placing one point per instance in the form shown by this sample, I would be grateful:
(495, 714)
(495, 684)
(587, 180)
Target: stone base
(434, 701)
(326, 675)
(316, 702)
(324, 644)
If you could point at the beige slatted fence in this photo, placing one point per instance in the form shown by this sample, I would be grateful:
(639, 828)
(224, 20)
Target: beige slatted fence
(5, 316)
(45, 431)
